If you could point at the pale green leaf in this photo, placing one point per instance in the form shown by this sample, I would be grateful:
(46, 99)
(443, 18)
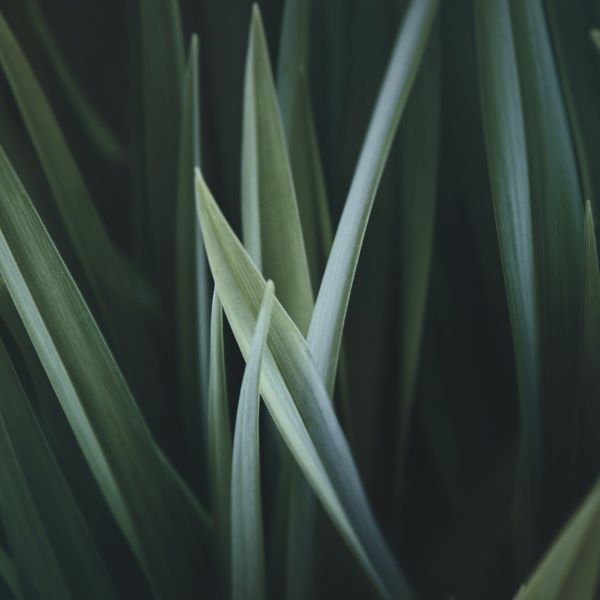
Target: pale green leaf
(270, 218)
(161, 521)
(504, 131)
(219, 439)
(571, 567)
(162, 75)
(50, 541)
(326, 325)
(247, 544)
(297, 399)
(192, 291)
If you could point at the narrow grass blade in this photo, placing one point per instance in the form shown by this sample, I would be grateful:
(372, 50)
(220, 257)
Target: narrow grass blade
(556, 212)
(161, 521)
(90, 240)
(192, 291)
(419, 145)
(47, 533)
(122, 296)
(8, 573)
(270, 218)
(326, 325)
(99, 132)
(247, 544)
(219, 441)
(586, 441)
(162, 74)
(571, 567)
(504, 132)
(297, 399)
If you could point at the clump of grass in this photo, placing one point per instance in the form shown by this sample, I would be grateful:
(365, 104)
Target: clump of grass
(308, 312)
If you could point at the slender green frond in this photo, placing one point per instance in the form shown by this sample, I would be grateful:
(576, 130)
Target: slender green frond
(504, 131)
(161, 521)
(47, 533)
(270, 218)
(327, 323)
(247, 544)
(219, 439)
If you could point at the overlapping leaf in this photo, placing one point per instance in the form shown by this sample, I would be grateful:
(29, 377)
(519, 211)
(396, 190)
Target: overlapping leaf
(48, 536)
(161, 521)
(247, 544)
(296, 398)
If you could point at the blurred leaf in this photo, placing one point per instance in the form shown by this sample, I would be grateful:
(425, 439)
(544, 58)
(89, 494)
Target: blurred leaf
(193, 311)
(47, 533)
(504, 131)
(270, 219)
(419, 147)
(123, 298)
(556, 211)
(247, 544)
(95, 126)
(296, 398)
(162, 522)
(571, 567)
(595, 37)
(219, 440)
(326, 325)
(587, 443)
(162, 64)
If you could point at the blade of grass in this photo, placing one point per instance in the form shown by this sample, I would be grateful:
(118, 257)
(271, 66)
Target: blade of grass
(296, 398)
(504, 133)
(419, 144)
(556, 212)
(270, 218)
(586, 443)
(219, 441)
(247, 544)
(192, 306)
(162, 64)
(161, 521)
(325, 333)
(571, 567)
(124, 299)
(47, 532)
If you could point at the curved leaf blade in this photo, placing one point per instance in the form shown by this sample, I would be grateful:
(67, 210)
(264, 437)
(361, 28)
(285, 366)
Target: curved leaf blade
(247, 544)
(296, 398)
(160, 519)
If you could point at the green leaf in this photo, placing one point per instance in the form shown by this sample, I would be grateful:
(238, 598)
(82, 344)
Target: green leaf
(325, 334)
(162, 65)
(163, 524)
(219, 440)
(270, 218)
(504, 132)
(247, 544)
(595, 37)
(48, 536)
(296, 398)
(419, 147)
(556, 212)
(571, 567)
(122, 296)
(192, 306)
(103, 266)
(587, 443)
